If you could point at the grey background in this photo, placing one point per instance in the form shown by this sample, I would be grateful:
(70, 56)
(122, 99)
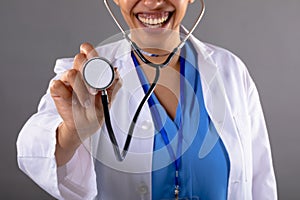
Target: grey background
(264, 34)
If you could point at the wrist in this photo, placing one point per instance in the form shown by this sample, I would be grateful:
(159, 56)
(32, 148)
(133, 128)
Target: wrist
(66, 144)
(67, 139)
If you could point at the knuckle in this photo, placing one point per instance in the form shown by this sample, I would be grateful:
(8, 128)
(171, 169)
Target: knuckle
(55, 86)
(71, 74)
(79, 61)
(79, 56)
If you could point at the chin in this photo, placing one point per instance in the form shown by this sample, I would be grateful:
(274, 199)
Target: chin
(158, 38)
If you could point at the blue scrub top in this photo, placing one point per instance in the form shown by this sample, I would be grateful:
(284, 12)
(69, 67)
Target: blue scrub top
(203, 167)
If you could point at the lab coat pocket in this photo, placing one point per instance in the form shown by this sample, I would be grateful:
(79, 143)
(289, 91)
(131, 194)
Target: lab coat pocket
(243, 126)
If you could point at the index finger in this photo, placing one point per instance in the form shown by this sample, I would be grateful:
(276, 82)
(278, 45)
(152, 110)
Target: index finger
(88, 50)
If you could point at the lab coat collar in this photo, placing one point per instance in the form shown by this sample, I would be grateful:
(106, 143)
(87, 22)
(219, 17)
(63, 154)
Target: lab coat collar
(124, 48)
(213, 88)
(208, 68)
(203, 49)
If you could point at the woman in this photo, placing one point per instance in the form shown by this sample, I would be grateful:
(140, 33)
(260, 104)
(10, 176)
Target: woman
(210, 139)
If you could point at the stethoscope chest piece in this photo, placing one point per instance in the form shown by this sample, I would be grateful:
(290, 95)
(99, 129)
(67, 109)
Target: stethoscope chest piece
(98, 73)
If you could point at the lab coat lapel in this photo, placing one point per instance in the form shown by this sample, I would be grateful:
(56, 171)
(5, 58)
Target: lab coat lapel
(218, 108)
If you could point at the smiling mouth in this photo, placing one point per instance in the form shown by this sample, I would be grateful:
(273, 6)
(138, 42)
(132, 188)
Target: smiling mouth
(154, 20)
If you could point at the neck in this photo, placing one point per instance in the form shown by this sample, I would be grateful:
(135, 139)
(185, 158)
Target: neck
(174, 63)
(159, 45)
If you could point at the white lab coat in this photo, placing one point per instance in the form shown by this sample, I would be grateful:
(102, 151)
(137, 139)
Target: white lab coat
(232, 103)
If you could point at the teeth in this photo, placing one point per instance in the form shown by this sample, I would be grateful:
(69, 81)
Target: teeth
(149, 20)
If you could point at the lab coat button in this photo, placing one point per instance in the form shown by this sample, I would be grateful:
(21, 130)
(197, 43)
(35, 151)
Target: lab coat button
(146, 124)
(143, 189)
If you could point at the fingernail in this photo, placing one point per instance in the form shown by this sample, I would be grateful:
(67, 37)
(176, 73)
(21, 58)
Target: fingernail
(66, 83)
(87, 103)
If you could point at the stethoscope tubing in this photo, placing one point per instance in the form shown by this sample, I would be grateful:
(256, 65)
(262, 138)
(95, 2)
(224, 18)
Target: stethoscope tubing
(120, 156)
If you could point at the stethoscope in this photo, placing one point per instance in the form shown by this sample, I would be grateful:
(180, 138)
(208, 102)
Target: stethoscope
(98, 73)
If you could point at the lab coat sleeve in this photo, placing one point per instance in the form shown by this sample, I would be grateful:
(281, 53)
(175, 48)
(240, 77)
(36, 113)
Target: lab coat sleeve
(263, 179)
(35, 154)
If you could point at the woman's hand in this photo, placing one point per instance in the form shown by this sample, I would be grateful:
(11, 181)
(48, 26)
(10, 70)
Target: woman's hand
(79, 106)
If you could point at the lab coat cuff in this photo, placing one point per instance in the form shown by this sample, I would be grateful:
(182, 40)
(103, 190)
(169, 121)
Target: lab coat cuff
(42, 139)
